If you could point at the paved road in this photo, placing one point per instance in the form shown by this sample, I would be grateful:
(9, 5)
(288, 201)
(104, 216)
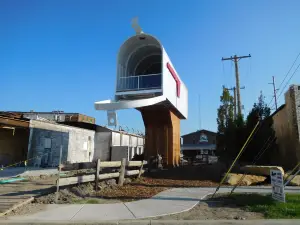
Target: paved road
(167, 202)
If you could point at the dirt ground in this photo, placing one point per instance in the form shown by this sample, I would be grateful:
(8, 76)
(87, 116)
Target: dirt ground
(145, 187)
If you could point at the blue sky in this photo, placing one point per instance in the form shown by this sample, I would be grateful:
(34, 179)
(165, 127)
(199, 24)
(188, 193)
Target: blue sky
(61, 55)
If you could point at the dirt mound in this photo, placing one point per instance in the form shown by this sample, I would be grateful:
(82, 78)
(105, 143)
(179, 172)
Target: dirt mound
(68, 195)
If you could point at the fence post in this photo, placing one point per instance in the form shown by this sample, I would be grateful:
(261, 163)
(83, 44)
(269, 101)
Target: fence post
(122, 172)
(59, 170)
(141, 170)
(97, 174)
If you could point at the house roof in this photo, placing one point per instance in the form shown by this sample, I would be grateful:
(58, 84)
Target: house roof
(198, 146)
(199, 131)
(11, 121)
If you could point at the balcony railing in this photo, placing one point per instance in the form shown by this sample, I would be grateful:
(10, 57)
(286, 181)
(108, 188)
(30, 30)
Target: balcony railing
(139, 82)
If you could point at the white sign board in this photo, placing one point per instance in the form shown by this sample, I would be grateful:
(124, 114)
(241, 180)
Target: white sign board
(277, 185)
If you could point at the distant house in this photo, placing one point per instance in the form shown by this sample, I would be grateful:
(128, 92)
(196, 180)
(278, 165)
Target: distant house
(200, 144)
(200, 136)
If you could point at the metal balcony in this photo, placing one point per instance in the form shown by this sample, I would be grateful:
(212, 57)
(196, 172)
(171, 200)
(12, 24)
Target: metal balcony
(139, 82)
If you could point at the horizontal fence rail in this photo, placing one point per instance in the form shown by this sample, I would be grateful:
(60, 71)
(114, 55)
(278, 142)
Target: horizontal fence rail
(123, 165)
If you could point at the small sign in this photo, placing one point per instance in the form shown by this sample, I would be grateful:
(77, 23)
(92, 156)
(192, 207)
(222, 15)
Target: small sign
(112, 118)
(277, 185)
(203, 138)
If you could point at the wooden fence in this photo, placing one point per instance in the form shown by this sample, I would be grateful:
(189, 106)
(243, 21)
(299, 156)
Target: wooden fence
(124, 165)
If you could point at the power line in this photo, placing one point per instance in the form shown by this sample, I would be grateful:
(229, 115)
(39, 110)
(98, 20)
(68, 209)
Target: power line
(289, 71)
(289, 80)
(262, 150)
(284, 79)
(260, 153)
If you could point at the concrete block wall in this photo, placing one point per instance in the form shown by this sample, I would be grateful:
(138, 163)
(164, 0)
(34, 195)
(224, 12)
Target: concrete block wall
(286, 123)
(125, 139)
(102, 146)
(78, 144)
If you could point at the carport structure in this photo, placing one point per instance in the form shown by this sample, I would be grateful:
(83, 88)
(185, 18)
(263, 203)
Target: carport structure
(14, 136)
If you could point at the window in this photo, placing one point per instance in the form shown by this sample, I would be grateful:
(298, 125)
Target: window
(47, 143)
(298, 88)
(85, 145)
(57, 117)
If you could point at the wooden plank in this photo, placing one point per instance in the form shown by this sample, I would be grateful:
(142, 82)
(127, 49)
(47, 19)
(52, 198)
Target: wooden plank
(76, 180)
(110, 164)
(118, 164)
(93, 165)
(109, 175)
(122, 172)
(134, 172)
(78, 166)
(86, 178)
(134, 163)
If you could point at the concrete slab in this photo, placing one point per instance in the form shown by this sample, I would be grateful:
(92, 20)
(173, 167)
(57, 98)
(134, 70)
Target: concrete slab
(159, 207)
(185, 193)
(29, 171)
(103, 212)
(168, 202)
(52, 213)
(181, 195)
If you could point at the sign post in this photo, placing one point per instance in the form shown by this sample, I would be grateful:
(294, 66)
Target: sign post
(277, 185)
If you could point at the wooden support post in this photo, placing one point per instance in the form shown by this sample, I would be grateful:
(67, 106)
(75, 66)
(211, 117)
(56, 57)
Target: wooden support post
(59, 170)
(141, 170)
(97, 175)
(122, 172)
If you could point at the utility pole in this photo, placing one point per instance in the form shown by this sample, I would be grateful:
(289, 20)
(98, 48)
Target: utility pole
(275, 90)
(235, 59)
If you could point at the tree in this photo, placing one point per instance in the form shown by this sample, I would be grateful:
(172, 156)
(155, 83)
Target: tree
(225, 124)
(232, 134)
(225, 111)
(260, 112)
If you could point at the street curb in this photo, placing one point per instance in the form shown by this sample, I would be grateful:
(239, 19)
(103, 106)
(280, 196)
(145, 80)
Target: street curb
(158, 222)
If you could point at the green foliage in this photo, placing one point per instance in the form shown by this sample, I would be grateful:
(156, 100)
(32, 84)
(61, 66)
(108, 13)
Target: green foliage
(270, 208)
(86, 201)
(232, 133)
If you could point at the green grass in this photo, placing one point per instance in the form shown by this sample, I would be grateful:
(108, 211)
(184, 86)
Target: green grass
(270, 208)
(86, 201)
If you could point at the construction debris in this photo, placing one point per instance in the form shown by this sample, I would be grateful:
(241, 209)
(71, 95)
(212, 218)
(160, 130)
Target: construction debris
(261, 170)
(234, 179)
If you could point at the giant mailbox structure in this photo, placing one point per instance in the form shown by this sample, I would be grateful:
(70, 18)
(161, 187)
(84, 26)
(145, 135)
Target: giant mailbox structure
(147, 81)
